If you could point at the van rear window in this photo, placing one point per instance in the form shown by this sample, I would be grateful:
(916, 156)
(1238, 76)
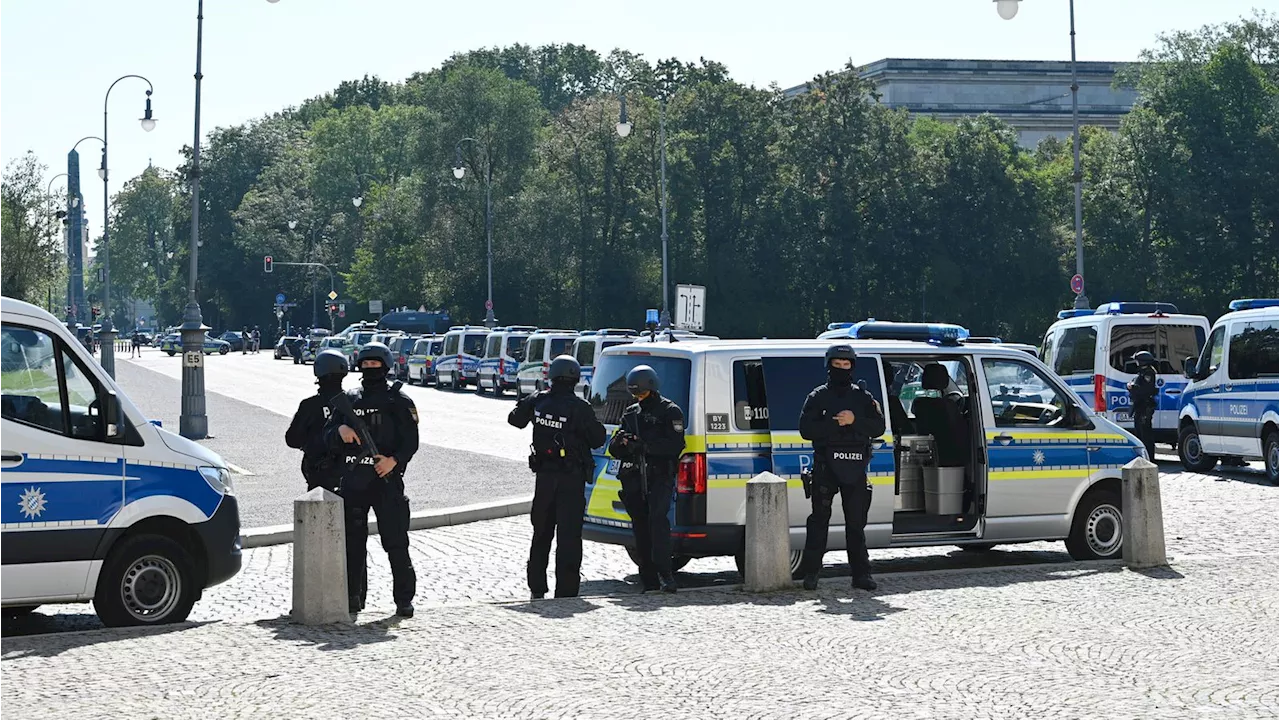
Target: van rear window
(1169, 343)
(1076, 351)
(473, 344)
(560, 346)
(609, 395)
(515, 347)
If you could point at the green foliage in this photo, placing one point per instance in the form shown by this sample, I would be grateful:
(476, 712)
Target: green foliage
(31, 254)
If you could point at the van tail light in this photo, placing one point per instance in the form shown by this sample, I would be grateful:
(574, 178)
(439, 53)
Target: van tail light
(545, 368)
(691, 478)
(1099, 393)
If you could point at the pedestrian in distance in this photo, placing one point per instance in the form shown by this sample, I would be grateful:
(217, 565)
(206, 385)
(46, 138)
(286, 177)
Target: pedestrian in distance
(306, 432)
(648, 445)
(1142, 398)
(376, 435)
(840, 419)
(135, 345)
(565, 430)
(244, 340)
(257, 340)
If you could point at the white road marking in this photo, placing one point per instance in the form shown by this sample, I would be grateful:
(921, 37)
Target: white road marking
(239, 470)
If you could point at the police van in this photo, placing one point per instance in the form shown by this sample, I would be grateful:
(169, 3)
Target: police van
(587, 348)
(460, 362)
(98, 503)
(503, 351)
(1005, 452)
(1092, 350)
(1229, 407)
(540, 349)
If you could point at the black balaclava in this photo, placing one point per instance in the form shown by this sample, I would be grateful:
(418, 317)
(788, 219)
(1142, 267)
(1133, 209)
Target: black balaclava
(374, 378)
(562, 385)
(330, 385)
(839, 379)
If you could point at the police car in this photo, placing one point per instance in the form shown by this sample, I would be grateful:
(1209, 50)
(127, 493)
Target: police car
(1229, 408)
(460, 362)
(587, 348)
(503, 351)
(98, 503)
(1038, 464)
(1092, 350)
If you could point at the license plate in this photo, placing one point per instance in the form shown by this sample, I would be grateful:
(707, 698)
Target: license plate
(613, 466)
(1124, 416)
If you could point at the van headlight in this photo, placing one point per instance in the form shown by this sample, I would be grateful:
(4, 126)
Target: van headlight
(219, 479)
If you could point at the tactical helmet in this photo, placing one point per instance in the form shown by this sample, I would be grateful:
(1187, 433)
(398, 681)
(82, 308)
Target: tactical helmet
(374, 351)
(642, 378)
(564, 366)
(841, 352)
(330, 362)
(1144, 358)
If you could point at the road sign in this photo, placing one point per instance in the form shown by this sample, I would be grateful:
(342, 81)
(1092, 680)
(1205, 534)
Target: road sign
(342, 313)
(1077, 284)
(488, 304)
(342, 307)
(333, 295)
(193, 359)
(375, 307)
(279, 298)
(422, 308)
(691, 307)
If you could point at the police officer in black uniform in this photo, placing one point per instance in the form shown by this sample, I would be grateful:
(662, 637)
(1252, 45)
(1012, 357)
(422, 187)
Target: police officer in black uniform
(565, 430)
(840, 419)
(1142, 398)
(649, 444)
(306, 432)
(377, 481)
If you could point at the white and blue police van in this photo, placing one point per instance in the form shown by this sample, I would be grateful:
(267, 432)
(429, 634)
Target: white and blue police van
(98, 503)
(460, 362)
(587, 348)
(503, 353)
(1229, 407)
(1092, 350)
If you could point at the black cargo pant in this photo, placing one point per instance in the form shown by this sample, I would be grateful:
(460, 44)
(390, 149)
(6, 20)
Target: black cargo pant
(849, 480)
(1142, 417)
(651, 526)
(387, 500)
(559, 501)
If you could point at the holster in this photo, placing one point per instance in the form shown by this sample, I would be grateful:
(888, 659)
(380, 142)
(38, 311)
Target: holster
(806, 481)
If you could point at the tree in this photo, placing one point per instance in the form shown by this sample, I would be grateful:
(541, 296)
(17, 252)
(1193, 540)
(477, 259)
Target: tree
(32, 249)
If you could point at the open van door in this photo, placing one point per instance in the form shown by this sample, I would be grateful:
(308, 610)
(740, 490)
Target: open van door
(788, 381)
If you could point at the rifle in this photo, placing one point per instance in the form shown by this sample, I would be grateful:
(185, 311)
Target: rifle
(640, 461)
(341, 405)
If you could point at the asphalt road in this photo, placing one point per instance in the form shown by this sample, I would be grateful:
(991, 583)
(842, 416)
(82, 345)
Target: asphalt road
(469, 454)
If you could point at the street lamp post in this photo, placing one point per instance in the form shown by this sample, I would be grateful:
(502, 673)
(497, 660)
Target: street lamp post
(148, 124)
(459, 170)
(624, 129)
(193, 423)
(1007, 10)
(49, 215)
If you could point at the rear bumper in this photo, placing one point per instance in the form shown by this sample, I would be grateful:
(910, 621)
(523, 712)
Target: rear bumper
(692, 541)
(220, 536)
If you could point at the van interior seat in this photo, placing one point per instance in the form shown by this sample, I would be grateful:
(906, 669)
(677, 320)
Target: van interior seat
(943, 419)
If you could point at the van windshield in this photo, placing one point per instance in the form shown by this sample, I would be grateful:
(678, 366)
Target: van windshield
(609, 395)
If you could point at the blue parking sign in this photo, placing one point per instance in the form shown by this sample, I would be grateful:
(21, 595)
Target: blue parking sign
(279, 298)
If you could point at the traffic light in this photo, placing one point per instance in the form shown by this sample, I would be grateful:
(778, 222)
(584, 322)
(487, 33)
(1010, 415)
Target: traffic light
(266, 263)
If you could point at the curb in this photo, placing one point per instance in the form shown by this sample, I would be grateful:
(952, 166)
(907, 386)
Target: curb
(421, 520)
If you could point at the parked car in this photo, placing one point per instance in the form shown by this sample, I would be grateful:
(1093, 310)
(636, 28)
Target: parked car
(234, 338)
(173, 345)
(285, 345)
(401, 347)
(421, 367)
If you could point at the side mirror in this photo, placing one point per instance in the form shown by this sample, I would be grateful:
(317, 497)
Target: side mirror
(1078, 418)
(111, 414)
(1189, 367)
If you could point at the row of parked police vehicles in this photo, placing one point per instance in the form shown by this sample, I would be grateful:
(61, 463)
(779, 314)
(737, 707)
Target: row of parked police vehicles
(987, 443)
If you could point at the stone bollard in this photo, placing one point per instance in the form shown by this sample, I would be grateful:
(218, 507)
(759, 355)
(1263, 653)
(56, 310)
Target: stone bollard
(107, 345)
(1143, 517)
(768, 550)
(319, 559)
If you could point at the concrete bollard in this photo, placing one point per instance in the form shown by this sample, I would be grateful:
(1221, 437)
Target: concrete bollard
(768, 550)
(319, 559)
(1143, 517)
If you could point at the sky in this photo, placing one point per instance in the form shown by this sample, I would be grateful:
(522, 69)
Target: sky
(58, 57)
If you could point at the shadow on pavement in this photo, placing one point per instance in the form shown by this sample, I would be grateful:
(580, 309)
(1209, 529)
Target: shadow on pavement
(1161, 573)
(331, 637)
(553, 608)
(50, 645)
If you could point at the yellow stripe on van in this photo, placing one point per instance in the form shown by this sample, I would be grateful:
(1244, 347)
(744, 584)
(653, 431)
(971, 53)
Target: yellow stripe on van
(1044, 474)
(603, 496)
(740, 483)
(743, 441)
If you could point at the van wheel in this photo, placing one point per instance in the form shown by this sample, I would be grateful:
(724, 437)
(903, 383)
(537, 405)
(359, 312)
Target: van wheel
(740, 560)
(170, 352)
(1097, 530)
(147, 580)
(1271, 455)
(1191, 452)
(17, 611)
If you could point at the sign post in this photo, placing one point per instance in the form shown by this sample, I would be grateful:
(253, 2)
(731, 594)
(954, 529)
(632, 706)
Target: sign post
(691, 307)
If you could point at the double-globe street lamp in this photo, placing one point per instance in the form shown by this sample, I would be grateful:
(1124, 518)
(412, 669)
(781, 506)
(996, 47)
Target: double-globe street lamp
(148, 124)
(193, 423)
(624, 129)
(459, 171)
(1007, 10)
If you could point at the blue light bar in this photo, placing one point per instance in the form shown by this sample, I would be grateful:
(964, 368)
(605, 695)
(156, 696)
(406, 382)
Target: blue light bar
(1251, 303)
(1064, 314)
(651, 316)
(937, 333)
(1135, 308)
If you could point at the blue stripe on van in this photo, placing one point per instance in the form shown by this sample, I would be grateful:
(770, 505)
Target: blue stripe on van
(99, 499)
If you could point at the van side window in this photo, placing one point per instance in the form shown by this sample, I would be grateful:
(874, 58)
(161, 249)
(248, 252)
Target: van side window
(1253, 350)
(451, 344)
(750, 408)
(1211, 359)
(1046, 350)
(536, 346)
(586, 353)
(491, 346)
(1021, 396)
(1076, 351)
(42, 384)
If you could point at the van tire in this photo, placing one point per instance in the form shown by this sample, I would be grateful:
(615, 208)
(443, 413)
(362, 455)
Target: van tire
(1191, 452)
(170, 352)
(1271, 456)
(153, 564)
(740, 560)
(1097, 530)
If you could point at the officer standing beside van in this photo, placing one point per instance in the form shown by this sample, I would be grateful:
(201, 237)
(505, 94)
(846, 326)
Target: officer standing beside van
(1142, 398)
(565, 430)
(374, 478)
(306, 431)
(840, 419)
(649, 444)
